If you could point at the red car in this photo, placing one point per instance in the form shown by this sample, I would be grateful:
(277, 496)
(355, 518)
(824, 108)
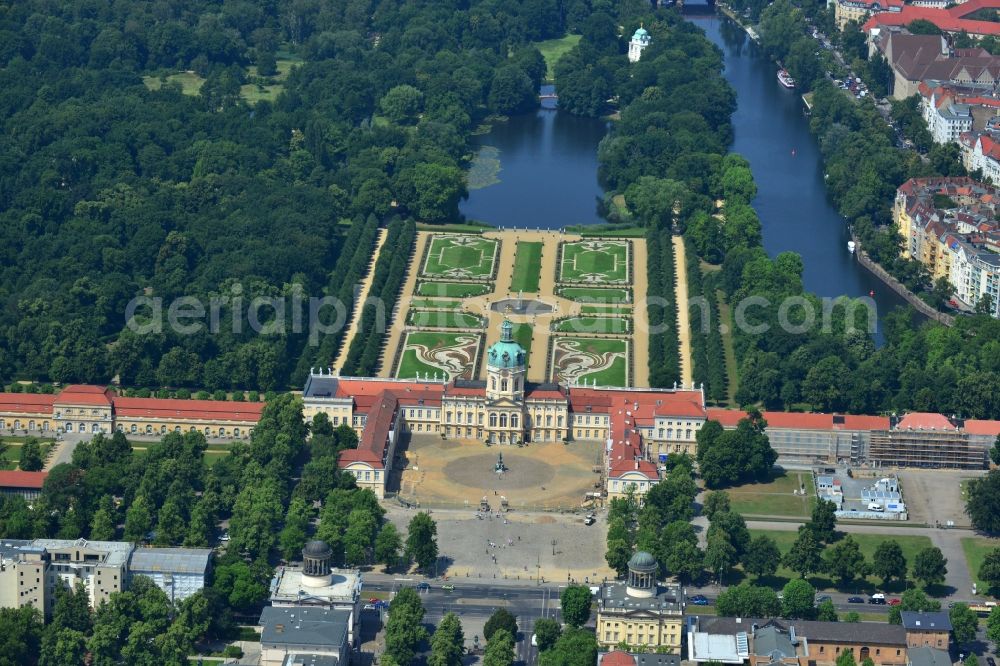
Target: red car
(373, 600)
(894, 602)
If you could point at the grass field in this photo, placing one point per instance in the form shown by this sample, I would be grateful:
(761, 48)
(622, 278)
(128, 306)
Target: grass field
(595, 295)
(909, 544)
(430, 353)
(460, 256)
(444, 319)
(553, 49)
(522, 336)
(775, 497)
(12, 456)
(212, 453)
(606, 325)
(191, 82)
(976, 549)
(725, 317)
(435, 303)
(527, 266)
(590, 361)
(596, 261)
(452, 289)
(618, 311)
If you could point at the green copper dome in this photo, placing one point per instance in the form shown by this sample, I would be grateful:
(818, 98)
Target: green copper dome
(506, 353)
(642, 560)
(640, 34)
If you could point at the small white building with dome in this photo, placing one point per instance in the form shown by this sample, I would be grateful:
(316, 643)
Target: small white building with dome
(641, 611)
(640, 40)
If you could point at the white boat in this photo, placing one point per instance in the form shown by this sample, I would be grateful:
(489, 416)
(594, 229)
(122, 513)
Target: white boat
(850, 246)
(785, 79)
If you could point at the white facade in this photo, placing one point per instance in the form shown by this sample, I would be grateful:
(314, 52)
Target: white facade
(638, 43)
(945, 121)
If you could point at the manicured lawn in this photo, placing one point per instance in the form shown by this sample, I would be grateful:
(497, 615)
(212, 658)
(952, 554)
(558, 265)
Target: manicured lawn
(910, 545)
(211, 455)
(976, 549)
(444, 319)
(590, 360)
(452, 289)
(775, 498)
(623, 311)
(460, 256)
(208, 458)
(430, 353)
(595, 295)
(597, 261)
(606, 325)
(12, 456)
(522, 336)
(527, 266)
(436, 303)
(553, 49)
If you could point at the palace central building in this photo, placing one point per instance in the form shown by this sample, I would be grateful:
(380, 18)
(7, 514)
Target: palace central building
(635, 425)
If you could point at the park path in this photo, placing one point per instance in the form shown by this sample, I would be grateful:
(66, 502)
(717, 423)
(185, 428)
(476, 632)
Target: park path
(683, 322)
(366, 286)
(398, 325)
(640, 314)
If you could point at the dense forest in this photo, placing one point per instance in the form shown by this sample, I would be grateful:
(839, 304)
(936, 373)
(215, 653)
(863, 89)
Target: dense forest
(118, 178)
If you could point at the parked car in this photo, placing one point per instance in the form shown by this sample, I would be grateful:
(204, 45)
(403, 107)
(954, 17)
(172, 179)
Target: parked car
(894, 602)
(699, 600)
(855, 600)
(589, 520)
(823, 597)
(373, 600)
(368, 607)
(224, 537)
(534, 640)
(878, 599)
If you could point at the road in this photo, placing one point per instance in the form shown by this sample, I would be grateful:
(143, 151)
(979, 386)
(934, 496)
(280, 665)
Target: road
(475, 602)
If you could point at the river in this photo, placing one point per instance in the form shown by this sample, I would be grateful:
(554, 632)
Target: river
(772, 132)
(547, 174)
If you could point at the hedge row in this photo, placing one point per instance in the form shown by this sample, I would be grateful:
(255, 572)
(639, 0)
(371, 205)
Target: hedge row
(390, 272)
(707, 350)
(664, 353)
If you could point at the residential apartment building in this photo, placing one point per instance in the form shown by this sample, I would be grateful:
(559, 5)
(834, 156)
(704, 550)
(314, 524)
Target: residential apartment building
(641, 612)
(950, 226)
(846, 11)
(946, 118)
(31, 570)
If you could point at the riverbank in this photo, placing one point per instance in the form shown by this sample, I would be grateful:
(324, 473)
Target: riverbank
(918, 304)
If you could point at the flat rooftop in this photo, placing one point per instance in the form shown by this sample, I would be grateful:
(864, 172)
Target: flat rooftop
(287, 586)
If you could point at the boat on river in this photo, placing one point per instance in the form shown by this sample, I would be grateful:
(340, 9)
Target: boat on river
(850, 246)
(785, 79)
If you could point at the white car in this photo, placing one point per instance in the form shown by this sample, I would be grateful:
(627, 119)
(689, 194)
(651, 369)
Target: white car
(224, 537)
(534, 640)
(368, 607)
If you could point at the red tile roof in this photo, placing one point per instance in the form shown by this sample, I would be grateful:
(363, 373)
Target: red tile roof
(924, 421)
(618, 658)
(27, 403)
(730, 418)
(861, 422)
(84, 394)
(19, 479)
(981, 427)
(196, 410)
(949, 20)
